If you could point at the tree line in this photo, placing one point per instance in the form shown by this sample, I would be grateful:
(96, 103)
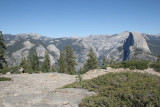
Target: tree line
(66, 61)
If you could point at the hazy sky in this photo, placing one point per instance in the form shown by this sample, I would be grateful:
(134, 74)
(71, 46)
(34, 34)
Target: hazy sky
(63, 18)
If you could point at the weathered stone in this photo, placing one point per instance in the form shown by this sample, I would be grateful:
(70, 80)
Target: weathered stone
(65, 102)
(40, 90)
(8, 73)
(21, 70)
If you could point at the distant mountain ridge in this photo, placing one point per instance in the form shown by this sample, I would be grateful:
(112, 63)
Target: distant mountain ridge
(123, 46)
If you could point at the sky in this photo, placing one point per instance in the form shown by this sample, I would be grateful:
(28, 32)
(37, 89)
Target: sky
(66, 18)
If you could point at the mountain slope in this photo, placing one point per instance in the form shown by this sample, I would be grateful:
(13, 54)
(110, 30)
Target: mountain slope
(153, 42)
(123, 46)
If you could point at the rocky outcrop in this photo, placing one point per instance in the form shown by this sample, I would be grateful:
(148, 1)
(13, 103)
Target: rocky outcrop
(140, 49)
(28, 45)
(54, 49)
(140, 42)
(43, 92)
(99, 72)
(10, 43)
(18, 55)
(126, 46)
(40, 51)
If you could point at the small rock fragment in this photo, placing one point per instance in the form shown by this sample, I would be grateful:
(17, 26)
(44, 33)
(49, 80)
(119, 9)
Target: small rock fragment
(65, 102)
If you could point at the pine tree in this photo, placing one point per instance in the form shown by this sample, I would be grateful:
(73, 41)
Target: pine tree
(35, 61)
(2, 51)
(46, 66)
(29, 62)
(62, 63)
(53, 68)
(24, 63)
(70, 60)
(92, 62)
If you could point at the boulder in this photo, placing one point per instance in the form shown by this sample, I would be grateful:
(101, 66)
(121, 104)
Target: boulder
(8, 73)
(108, 68)
(21, 70)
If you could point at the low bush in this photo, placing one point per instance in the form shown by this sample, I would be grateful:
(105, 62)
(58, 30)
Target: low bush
(30, 71)
(125, 89)
(5, 79)
(156, 66)
(79, 78)
(104, 66)
(14, 69)
(132, 64)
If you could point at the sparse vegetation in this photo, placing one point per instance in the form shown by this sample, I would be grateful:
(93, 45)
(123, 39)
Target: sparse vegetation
(5, 79)
(79, 78)
(137, 51)
(127, 89)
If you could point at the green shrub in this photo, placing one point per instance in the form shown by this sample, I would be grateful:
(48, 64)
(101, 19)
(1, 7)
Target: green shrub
(10, 69)
(36, 71)
(132, 64)
(30, 71)
(156, 66)
(14, 70)
(3, 71)
(104, 66)
(79, 77)
(124, 89)
(5, 79)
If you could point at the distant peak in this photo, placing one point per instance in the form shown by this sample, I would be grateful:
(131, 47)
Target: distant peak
(35, 34)
(137, 33)
(131, 31)
(126, 31)
(93, 36)
(28, 34)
